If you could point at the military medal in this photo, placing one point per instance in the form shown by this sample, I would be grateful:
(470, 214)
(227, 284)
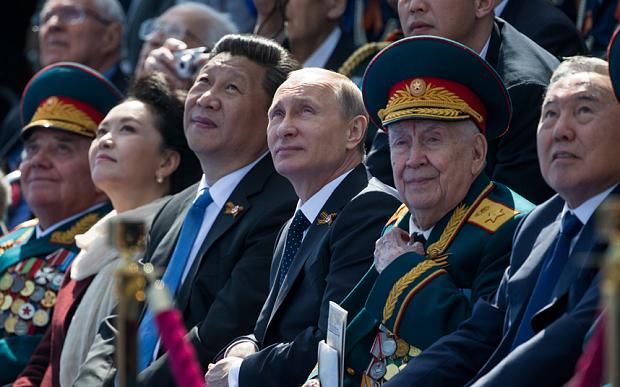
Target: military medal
(9, 324)
(26, 311)
(21, 328)
(402, 348)
(6, 281)
(18, 284)
(17, 303)
(377, 370)
(28, 289)
(388, 345)
(40, 318)
(37, 294)
(414, 351)
(391, 371)
(1, 298)
(8, 301)
(40, 277)
(49, 299)
(57, 281)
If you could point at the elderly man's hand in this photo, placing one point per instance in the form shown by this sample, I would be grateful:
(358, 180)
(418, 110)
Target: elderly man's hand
(163, 60)
(392, 245)
(312, 383)
(241, 349)
(217, 375)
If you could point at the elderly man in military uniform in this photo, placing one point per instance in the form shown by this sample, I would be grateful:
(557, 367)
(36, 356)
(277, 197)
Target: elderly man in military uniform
(449, 244)
(62, 106)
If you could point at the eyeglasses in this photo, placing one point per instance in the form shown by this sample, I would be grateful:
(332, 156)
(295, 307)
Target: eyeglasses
(151, 27)
(67, 15)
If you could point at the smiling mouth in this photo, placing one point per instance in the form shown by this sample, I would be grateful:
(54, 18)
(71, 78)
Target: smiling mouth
(563, 156)
(204, 122)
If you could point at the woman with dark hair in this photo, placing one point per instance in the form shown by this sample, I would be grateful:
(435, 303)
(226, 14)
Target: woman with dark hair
(138, 158)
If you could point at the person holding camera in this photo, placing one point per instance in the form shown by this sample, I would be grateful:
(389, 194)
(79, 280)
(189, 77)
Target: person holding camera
(175, 43)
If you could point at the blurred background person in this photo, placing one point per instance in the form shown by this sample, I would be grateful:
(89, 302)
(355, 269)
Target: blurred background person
(138, 157)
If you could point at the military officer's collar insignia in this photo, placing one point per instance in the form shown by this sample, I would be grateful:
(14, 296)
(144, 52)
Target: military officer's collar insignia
(325, 218)
(81, 226)
(233, 209)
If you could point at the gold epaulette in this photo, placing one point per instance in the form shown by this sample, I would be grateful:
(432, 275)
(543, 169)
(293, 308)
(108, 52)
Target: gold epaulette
(398, 215)
(360, 55)
(79, 227)
(491, 215)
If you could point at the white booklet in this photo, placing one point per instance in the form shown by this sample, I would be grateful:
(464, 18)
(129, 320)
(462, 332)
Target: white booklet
(331, 351)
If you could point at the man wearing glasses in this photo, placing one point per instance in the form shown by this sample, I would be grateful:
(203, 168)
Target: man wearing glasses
(187, 25)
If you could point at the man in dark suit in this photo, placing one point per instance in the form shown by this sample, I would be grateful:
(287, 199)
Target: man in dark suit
(545, 24)
(220, 274)
(524, 67)
(317, 124)
(532, 331)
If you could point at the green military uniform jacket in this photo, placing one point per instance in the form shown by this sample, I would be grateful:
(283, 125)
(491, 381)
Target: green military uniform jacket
(418, 299)
(31, 272)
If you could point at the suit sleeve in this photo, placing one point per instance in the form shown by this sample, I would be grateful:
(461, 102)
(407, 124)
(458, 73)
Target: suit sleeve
(351, 250)
(515, 161)
(237, 304)
(557, 348)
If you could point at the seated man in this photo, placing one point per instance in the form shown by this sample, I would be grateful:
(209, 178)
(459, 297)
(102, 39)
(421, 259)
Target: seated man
(531, 333)
(438, 120)
(62, 106)
(317, 124)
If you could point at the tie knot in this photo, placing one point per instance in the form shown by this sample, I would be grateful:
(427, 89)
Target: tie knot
(570, 225)
(418, 237)
(300, 222)
(203, 199)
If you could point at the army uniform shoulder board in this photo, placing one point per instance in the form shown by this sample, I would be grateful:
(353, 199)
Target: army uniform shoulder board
(490, 215)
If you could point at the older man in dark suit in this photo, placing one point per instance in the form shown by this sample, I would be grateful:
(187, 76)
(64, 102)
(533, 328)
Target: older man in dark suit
(215, 239)
(531, 333)
(524, 67)
(317, 124)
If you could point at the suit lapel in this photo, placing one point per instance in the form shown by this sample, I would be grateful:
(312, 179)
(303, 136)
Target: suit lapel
(348, 188)
(252, 183)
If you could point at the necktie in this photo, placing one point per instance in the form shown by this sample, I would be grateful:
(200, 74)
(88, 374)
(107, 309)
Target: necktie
(147, 334)
(293, 240)
(417, 237)
(548, 278)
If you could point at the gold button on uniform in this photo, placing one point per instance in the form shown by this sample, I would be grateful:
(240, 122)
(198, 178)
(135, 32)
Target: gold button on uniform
(350, 371)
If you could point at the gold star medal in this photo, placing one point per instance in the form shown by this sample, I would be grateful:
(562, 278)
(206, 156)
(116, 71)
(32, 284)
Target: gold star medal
(233, 209)
(325, 218)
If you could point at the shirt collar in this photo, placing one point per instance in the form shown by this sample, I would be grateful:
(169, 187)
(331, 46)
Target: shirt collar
(485, 48)
(413, 228)
(321, 55)
(41, 233)
(312, 206)
(223, 188)
(587, 208)
(499, 8)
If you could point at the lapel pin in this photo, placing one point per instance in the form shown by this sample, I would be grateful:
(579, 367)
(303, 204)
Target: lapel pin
(325, 218)
(233, 209)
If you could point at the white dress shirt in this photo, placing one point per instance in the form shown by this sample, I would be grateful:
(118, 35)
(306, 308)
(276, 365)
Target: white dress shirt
(321, 55)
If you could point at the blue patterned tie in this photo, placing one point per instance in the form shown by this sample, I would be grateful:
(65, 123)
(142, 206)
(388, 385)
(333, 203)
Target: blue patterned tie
(548, 278)
(147, 334)
(293, 240)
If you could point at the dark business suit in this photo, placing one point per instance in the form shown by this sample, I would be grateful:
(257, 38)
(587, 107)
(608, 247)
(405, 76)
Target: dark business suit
(344, 48)
(526, 69)
(479, 352)
(227, 284)
(333, 256)
(545, 24)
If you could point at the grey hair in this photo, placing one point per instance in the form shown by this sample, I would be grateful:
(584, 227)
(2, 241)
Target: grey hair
(219, 23)
(111, 10)
(579, 64)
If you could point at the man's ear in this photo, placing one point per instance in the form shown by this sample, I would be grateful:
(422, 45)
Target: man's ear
(112, 37)
(479, 153)
(485, 7)
(356, 132)
(335, 8)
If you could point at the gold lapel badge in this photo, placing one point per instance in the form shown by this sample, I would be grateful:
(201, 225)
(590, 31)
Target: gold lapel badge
(233, 209)
(325, 218)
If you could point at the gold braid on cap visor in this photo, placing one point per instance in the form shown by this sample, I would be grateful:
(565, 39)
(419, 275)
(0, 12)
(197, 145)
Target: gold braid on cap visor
(422, 100)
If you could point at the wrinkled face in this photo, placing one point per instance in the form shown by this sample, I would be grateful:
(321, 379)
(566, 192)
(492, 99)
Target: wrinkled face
(307, 132)
(434, 163)
(226, 111)
(127, 150)
(305, 18)
(578, 137)
(453, 19)
(77, 41)
(55, 173)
